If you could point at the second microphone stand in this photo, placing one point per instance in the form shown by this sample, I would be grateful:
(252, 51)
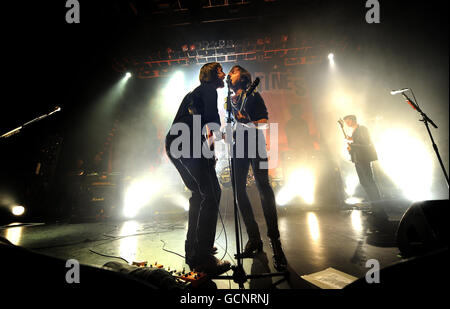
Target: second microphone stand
(239, 276)
(18, 129)
(426, 120)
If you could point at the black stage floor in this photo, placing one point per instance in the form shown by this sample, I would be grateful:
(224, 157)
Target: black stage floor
(313, 240)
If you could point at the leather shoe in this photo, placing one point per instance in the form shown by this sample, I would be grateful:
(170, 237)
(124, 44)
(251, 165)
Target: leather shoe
(279, 259)
(189, 259)
(253, 246)
(210, 265)
(214, 250)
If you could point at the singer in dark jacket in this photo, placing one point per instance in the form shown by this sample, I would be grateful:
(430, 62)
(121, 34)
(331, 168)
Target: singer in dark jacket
(198, 172)
(363, 153)
(253, 115)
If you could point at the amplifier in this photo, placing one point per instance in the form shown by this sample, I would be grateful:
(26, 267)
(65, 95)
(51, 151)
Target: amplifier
(96, 196)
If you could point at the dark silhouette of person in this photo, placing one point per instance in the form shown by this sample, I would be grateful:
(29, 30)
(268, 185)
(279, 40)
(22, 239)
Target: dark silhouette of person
(198, 173)
(254, 116)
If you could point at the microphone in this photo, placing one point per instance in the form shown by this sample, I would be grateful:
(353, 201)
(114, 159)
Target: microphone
(56, 109)
(394, 92)
(228, 79)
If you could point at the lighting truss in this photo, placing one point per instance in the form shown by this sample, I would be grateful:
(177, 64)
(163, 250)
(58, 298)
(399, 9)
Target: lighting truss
(284, 52)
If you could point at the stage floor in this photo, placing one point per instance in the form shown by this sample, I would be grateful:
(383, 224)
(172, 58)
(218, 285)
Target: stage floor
(313, 240)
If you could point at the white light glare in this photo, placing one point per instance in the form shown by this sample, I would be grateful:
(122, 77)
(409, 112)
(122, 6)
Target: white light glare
(331, 60)
(353, 200)
(304, 179)
(313, 226)
(284, 196)
(407, 161)
(173, 93)
(356, 220)
(182, 202)
(139, 194)
(351, 182)
(128, 75)
(18, 210)
(301, 183)
(128, 245)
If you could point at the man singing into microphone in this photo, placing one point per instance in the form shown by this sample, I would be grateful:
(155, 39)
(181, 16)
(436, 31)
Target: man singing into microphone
(198, 171)
(253, 116)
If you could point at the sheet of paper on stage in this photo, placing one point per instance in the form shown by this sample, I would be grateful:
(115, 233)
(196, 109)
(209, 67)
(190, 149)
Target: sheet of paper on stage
(329, 278)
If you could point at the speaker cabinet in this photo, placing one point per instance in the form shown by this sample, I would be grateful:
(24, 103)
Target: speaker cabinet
(423, 228)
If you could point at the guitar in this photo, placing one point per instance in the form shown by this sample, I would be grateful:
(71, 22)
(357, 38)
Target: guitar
(349, 148)
(239, 111)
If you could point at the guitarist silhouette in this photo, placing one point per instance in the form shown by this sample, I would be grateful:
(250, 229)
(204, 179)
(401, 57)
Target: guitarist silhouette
(362, 152)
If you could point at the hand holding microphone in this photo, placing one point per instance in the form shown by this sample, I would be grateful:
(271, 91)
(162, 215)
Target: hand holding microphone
(408, 100)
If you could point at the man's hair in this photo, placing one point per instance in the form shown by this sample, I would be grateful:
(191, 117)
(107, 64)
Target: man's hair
(352, 117)
(208, 73)
(246, 77)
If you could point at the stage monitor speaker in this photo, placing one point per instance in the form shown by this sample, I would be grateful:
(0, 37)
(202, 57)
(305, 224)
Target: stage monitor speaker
(393, 208)
(421, 272)
(423, 228)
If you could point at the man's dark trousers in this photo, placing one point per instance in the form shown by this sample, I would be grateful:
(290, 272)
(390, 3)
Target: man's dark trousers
(199, 176)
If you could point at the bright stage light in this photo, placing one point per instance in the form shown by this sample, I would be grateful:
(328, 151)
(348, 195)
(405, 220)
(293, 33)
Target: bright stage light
(18, 210)
(284, 196)
(407, 161)
(353, 200)
(351, 182)
(181, 201)
(139, 194)
(331, 59)
(14, 234)
(305, 183)
(123, 81)
(173, 94)
(301, 182)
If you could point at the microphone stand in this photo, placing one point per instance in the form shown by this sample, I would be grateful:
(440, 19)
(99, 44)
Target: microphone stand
(17, 130)
(426, 120)
(239, 276)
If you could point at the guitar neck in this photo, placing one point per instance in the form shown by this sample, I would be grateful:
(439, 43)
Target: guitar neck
(343, 132)
(341, 124)
(248, 92)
